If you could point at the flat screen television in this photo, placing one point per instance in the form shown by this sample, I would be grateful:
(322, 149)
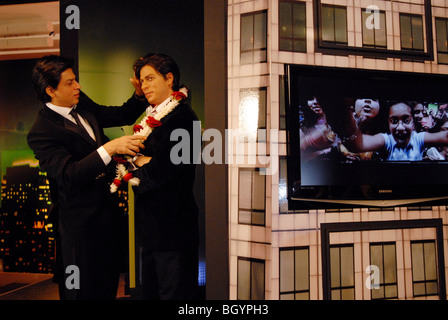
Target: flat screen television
(324, 173)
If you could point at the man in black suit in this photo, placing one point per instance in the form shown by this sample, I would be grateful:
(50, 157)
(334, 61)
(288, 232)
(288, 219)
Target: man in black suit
(165, 207)
(75, 153)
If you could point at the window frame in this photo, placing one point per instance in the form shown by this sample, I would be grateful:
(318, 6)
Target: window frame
(292, 38)
(253, 49)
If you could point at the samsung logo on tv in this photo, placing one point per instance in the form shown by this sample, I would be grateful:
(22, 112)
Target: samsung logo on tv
(385, 191)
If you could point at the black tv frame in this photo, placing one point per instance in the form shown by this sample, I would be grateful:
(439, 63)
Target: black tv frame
(406, 86)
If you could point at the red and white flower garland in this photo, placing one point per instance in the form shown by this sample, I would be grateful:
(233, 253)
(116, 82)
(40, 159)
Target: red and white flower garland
(144, 128)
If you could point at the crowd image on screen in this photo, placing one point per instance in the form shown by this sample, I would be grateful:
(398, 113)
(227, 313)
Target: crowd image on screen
(405, 131)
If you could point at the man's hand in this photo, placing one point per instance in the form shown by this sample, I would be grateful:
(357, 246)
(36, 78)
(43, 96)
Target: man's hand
(129, 145)
(141, 160)
(138, 88)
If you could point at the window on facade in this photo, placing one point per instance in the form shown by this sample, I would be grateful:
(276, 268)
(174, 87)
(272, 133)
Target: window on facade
(411, 32)
(254, 37)
(383, 256)
(294, 274)
(342, 272)
(250, 279)
(424, 268)
(442, 40)
(334, 24)
(282, 104)
(371, 36)
(251, 197)
(252, 114)
(292, 28)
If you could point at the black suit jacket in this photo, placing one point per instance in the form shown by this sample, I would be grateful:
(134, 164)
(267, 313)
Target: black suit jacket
(87, 209)
(166, 210)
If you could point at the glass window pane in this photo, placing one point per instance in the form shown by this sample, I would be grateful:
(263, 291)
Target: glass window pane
(391, 291)
(286, 270)
(302, 296)
(327, 24)
(288, 296)
(282, 186)
(340, 18)
(245, 190)
(336, 294)
(258, 187)
(442, 58)
(348, 294)
(431, 288)
(430, 261)
(418, 267)
(258, 218)
(368, 35)
(243, 280)
(299, 45)
(335, 267)
(285, 19)
(247, 57)
(262, 95)
(441, 33)
(302, 270)
(285, 44)
(378, 293)
(299, 20)
(417, 33)
(390, 264)
(245, 217)
(257, 290)
(381, 33)
(419, 289)
(347, 272)
(405, 32)
(260, 37)
(247, 30)
(260, 56)
(376, 258)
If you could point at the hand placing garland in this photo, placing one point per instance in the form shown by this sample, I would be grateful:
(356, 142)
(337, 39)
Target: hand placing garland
(144, 128)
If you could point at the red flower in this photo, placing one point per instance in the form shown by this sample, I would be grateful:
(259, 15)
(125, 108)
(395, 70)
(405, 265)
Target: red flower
(117, 182)
(152, 122)
(137, 128)
(128, 176)
(178, 95)
(119, 159)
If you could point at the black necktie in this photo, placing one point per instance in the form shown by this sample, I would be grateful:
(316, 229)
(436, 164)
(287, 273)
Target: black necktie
(78, 120)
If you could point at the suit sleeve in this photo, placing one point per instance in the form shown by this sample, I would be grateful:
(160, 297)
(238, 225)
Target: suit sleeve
(114, 116)
(58, 162)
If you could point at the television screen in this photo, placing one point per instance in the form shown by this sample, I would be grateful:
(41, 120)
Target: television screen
(364, 137)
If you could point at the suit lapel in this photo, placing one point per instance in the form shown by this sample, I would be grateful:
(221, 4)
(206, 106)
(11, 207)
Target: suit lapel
(94, 125)
(69, 125)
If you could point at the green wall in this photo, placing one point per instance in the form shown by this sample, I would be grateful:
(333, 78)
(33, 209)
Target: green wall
(113, 34)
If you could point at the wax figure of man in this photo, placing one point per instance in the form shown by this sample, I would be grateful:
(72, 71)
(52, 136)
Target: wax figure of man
(166, 210)
(75, 153)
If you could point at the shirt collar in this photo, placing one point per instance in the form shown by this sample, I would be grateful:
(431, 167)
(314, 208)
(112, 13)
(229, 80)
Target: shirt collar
(63, 111)
(159, 107)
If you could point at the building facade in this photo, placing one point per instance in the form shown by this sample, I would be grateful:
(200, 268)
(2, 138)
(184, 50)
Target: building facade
(27, 239)
(358, 253)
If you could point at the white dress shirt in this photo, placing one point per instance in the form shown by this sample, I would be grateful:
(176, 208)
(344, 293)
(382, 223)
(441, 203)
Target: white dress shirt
(65, 112)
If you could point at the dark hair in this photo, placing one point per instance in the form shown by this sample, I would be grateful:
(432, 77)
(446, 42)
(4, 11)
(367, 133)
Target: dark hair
(162, 63)
(47, 72)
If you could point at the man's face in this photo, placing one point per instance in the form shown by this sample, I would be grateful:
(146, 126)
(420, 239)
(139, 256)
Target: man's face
(367, 108)
(67, 92)
(155, 87)
(401, 123)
